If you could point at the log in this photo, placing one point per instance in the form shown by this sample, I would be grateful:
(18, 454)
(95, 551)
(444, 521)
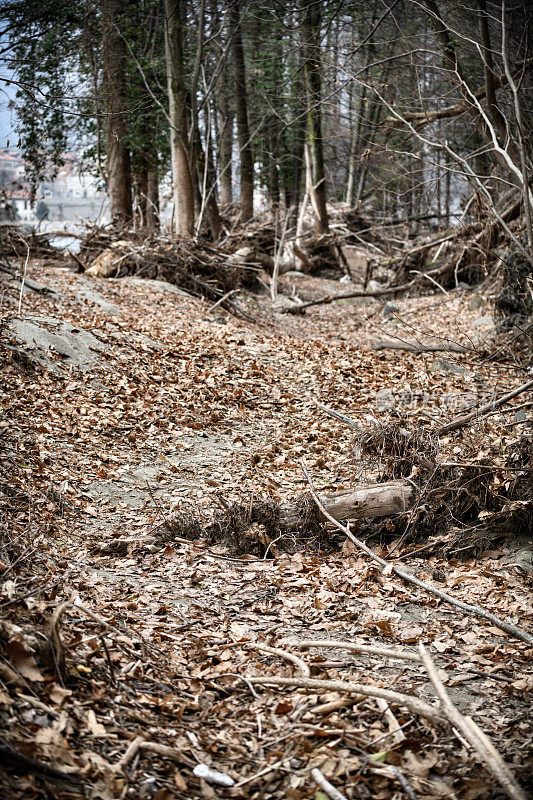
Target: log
(363, 502)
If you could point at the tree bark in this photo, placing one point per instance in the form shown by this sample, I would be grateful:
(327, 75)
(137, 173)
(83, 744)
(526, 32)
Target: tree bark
(362, 502)
(225, 142)
(206, 180)
(182, 183)
(241, 103)
(141, 194)
(152, 199)
(119, 183)
(312, 70)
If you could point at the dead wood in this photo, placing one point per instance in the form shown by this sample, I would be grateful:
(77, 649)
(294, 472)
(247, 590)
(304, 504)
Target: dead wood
(332, 298)
(471, 732)
(353, 647)
(363, 502)
(512, 630)
(21, 764)
(328, 787)
(362, 689)
(443, 345)
(479, 412)
(276, 651)
(200, 268)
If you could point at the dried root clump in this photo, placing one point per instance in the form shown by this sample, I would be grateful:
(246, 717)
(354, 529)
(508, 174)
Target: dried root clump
(472, 507)
(397, 448)
(200, 268)
(183, 525)
(246, 528)
(254, 528)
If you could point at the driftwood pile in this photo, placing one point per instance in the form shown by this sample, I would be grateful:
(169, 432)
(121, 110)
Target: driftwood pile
(200, 268)
(15, 242)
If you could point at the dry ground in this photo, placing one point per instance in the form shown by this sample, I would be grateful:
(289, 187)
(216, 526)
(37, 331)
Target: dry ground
(183, 406)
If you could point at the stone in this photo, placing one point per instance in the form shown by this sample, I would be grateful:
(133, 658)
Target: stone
(49, 342)
(476, 301)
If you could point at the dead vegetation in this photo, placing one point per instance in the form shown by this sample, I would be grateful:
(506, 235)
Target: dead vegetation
(161, 655)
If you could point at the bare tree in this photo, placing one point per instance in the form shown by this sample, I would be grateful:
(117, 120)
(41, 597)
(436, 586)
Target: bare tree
(241, 105)
(114, 96)
(310, 27)
(182, 182)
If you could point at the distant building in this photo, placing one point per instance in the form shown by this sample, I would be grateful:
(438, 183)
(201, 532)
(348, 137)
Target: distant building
(72, 196)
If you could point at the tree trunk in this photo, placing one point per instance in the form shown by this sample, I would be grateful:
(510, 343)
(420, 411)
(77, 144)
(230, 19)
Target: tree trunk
(182, 183)
(152, 199)
(369, 136)
(312, 70)
(225, 141)
(114, 92)
(241, 103)
(355, 145)
(206, 180)
(141, 194)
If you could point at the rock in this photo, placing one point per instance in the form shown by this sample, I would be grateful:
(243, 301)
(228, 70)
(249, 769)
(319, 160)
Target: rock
(520, 554)
(449, 366)
(385, 400)
(294, 273)
(92, 296)
(158, 285)
(484, 329)
(390, 309)
(476, 301)
(40, 339)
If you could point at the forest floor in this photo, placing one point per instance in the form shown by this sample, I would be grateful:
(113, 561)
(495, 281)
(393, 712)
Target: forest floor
(172, 406)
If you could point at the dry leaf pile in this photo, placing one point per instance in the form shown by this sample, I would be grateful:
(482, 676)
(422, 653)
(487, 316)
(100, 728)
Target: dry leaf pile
(129, 658)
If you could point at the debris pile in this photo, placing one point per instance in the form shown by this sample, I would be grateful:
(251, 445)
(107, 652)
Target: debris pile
(200, 268)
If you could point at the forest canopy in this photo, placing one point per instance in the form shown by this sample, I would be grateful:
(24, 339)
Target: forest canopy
(420, 110)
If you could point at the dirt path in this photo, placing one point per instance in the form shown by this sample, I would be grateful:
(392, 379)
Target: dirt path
(181, 406)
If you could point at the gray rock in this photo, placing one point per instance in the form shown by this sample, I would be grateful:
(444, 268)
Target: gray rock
(449, 366)
(159, 286)
(476, 301)
(385, 400)
(92, 296)
(390, 309)
(50, 342)
(484, 329)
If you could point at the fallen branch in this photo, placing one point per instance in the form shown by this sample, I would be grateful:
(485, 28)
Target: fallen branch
(21, 764)
(341, 417)
(415, 705)
(276, 651)
(363, 502)
(479, 412)
(478, 740)
(395, 729)
(384, 652)
(331, 298)
(512, 630)
(443, 346)
(324, 784)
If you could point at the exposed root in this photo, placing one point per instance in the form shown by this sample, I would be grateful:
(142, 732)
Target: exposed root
(253, 528)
